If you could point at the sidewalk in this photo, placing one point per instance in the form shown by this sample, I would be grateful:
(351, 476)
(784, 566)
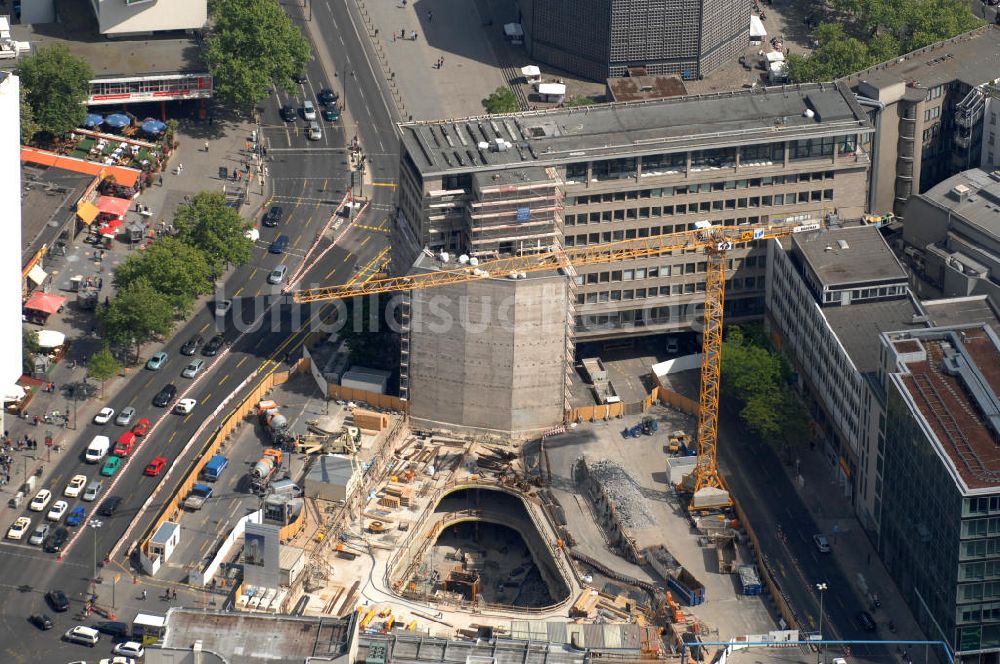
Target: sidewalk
(852, 550)
(228, 138)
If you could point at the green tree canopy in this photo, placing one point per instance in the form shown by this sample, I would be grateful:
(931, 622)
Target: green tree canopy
(579, 101)
(29, 348)
(215, 229)
(369, 339)
(253, 44)
(58, 85)
(136, 315)
(102, 366)
(876, 31)
(179, 271)
(501, 101)
(28, 125)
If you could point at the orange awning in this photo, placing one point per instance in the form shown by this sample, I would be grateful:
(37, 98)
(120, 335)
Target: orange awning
(112, 205)
(126, 177)
(87, 212)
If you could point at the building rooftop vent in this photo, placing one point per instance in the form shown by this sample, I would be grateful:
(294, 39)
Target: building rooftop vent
(960, 192)
(843, 244)
(995, 175)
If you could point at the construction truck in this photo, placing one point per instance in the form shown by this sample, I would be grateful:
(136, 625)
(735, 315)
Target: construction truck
(649, 426)
(265, 469)
(196, 499)
(274, 423)
(677, 441)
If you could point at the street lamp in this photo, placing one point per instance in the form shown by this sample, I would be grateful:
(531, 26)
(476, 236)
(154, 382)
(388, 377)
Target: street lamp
(821, 587)
(95, 524)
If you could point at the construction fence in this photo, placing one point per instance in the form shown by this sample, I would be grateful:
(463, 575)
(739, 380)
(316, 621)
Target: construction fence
(619, 409)
(383, 401)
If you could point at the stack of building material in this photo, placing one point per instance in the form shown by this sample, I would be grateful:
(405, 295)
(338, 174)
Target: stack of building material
(392, 502)
(404, 494)
(585, 605)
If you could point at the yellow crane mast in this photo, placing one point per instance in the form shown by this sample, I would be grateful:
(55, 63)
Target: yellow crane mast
(710, 491)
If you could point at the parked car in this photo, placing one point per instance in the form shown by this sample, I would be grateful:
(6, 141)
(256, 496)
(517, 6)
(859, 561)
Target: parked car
(110, 506)
(141, 427)
(75, 486)
(111, 466)
(165, 396)
(300, 77)
(41, 532)
(288, 113)
(192, 345)
(866, 622)
(273, 216)
(222, 307)
(193, 368)
(76, 515)
(156, 361)
(822, 543)
(104, 415)
(17, 529)
(185, 406)
(125, 416)
(58, 510)
(330, 113)
(83, 635)
(327, 96)
(213, 346)
(41, 621)
(40, 501)
(129, 649)
(57, 600)
(308, 110)
(279, 245)
(114, 628)
(54, 542)
(155, 466)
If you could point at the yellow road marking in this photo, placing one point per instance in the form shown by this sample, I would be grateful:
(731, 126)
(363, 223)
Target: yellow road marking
(203, 328)
(384, 184)
(237, 293)
(242, 360)
(171, 437)
(224, 379)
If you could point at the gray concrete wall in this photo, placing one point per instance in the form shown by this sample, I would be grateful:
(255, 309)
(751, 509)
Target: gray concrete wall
(489, 355)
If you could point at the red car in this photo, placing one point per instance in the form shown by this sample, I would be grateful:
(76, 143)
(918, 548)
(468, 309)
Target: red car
(125, 444)
(155, 466)
(141, 427)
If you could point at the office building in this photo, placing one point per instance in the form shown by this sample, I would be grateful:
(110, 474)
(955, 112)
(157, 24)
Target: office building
(939, 508)
(927, 107)
(952, 236)
(130, 18)
(10, 267)
(829, 295)
(515, 185)
(598, 39)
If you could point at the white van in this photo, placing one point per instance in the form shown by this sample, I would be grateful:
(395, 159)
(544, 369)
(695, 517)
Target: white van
(87, 636)
(97, 449)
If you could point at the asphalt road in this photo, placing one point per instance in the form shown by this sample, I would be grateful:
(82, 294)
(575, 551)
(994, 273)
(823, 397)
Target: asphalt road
(754, 475)
(308, 179)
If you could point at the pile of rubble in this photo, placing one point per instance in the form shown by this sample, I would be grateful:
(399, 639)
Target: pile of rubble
(624, 492)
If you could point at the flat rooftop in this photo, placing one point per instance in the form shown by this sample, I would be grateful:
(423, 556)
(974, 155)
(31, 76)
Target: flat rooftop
(410, 648)
(634, 88)
(952, 406)
(425, 263)
(839, 257)
(859, 325)
(972, 57)
(48, 197)
(604, 131)
(958, 311)
(112, 58)
(251, 638)
(980, 207)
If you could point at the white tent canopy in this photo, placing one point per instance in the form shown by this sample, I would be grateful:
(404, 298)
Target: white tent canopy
(757, 30)
(513, 30)
(50, 339)
(530, 71)
(12, 393)
(552, 89)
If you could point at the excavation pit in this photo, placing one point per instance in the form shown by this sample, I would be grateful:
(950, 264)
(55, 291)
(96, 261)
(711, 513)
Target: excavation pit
(481, 546)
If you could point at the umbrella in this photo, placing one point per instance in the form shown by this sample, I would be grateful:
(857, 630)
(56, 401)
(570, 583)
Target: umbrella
(93, 120)
(152, 126)
(117, 120)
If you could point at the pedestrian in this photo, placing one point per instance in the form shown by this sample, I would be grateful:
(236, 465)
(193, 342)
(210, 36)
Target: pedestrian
(441, 62)
(376, 33)
(394, 37)
(144, 593)
(413, 36)
(402, 34)
(180, 167)
(430, 16)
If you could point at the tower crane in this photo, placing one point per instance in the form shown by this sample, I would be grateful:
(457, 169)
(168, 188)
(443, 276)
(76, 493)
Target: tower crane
(709, 490)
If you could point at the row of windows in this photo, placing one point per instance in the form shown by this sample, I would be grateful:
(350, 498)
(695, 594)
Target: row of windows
(627, 167)
(750, 283)
(980, 571)
(775, 200)
(651, 231)
(745, 306)
(932, 113)
(656, 271)
(980, 613)
(981, 548)
(974, 591)
(982, 505)
(703, 188)
(866, 293)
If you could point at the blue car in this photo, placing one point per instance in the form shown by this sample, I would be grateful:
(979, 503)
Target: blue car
(76, 516)
(279, 245)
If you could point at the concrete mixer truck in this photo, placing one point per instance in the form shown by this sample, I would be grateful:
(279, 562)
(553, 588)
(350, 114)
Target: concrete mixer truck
(265, 469)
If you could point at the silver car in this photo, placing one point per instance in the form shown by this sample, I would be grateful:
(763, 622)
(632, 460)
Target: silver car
(277, 275)
(39, 535)
(313, 132)
(192, 369)
(125, 416)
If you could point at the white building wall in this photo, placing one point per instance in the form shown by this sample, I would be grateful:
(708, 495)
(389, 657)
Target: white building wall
(991, 125)
(10, 248)
(116, 18)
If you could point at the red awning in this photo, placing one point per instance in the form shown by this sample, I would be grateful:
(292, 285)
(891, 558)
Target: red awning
(112, 205)
(111, 228)
(45, 302)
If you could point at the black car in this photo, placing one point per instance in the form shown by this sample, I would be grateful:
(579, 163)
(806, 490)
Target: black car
(273, 216)
(288, 113)
(41, 621)
(327, 96)
(114, 629)
(866, 622)
(165, 396)
(192, 345)
(57, 600)
(213, 346)
(54, 542)
(110, 506)
(300, 77)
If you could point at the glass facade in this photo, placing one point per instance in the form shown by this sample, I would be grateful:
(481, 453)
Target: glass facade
(941, 548)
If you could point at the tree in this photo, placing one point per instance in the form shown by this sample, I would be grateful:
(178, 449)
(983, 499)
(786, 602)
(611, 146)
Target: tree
(369, 339)
(28, 125)
(253, 45)
(177, 270)
(501, 101)
(29, 348)
(58, 86)
(136, 315)
(215, 229)
(102, 366)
